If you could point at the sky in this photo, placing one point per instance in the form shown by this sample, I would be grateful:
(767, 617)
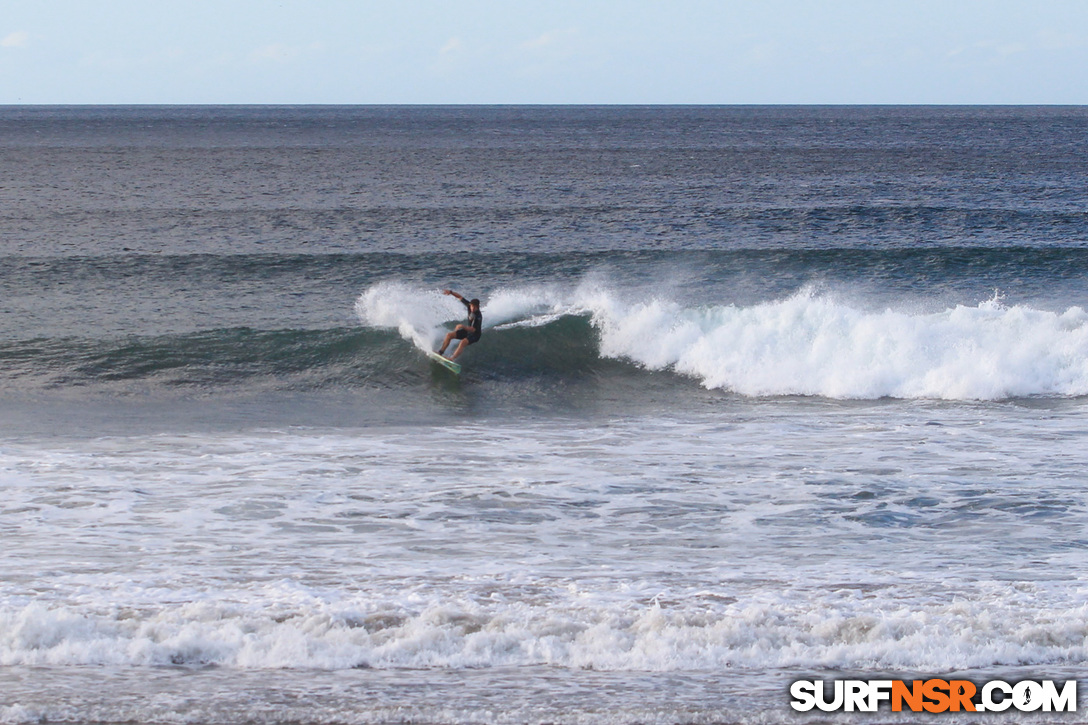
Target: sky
(543, 51)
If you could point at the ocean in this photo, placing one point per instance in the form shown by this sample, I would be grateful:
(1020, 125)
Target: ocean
(763, 394)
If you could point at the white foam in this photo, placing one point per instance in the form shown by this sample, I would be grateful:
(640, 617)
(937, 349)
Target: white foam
(282, 626)
(696, 546)
(813, 344)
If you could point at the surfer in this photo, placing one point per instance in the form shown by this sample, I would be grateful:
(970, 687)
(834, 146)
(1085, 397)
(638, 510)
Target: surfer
(467, 333)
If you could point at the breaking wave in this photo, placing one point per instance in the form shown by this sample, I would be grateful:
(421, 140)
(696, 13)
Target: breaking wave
(288, 627)
(810, 343)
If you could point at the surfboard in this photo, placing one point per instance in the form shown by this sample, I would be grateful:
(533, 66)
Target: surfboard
(445, 362)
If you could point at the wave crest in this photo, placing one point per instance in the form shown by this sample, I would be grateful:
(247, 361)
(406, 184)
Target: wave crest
(812, 344)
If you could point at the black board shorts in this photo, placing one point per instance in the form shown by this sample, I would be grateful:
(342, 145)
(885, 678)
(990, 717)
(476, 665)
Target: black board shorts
(472, 336)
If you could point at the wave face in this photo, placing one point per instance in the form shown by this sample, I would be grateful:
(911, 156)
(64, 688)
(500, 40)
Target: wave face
(239, 357)
(810, 343)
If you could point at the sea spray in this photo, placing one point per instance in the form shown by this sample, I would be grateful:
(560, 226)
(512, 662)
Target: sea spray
(416, 314)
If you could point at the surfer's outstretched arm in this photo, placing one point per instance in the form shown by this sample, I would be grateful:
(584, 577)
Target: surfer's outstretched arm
(451, 293)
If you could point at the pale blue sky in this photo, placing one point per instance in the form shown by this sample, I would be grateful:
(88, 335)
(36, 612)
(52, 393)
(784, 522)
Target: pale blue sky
(549, 51)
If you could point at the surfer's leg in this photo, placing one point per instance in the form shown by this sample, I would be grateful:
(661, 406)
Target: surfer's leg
(459, 350)
(446, 342)
(460, 332)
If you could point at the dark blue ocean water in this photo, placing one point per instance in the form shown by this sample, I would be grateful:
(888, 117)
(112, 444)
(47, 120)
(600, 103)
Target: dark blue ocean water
(763, 392)
(221, 249)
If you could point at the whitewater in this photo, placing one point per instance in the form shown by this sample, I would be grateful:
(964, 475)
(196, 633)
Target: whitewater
(677, 552)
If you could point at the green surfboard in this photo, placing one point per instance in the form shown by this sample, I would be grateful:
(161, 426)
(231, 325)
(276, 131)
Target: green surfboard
(445, 362)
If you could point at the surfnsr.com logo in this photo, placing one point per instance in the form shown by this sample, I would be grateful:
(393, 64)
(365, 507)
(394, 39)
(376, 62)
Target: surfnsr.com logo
(934, 695)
